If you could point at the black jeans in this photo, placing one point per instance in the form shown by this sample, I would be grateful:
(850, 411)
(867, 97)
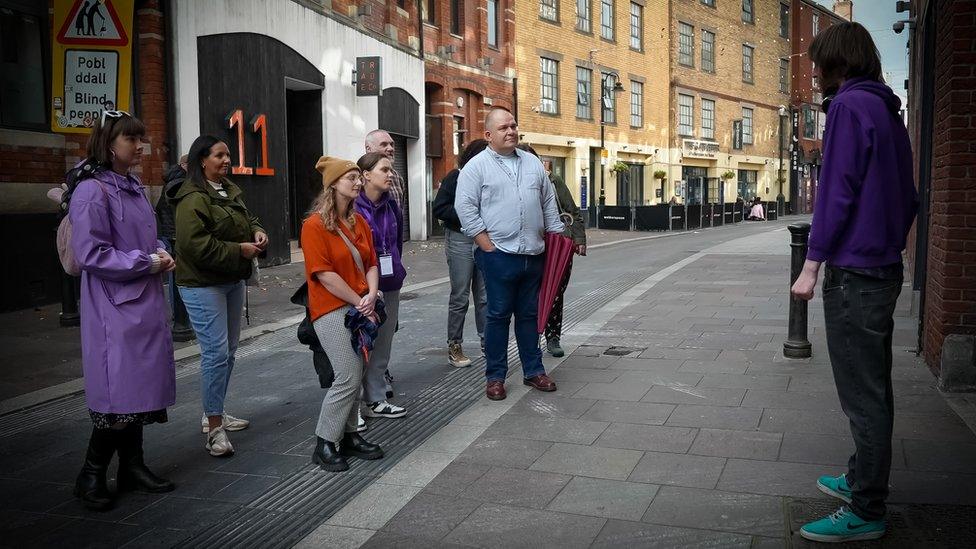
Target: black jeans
(858, 313)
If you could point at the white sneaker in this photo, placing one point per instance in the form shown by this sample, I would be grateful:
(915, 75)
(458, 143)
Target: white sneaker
(218, 444)
(384, 409)
(230, 423)
(361, 425)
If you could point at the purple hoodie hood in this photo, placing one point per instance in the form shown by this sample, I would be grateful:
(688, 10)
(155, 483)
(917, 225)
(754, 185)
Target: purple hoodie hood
(866, 199)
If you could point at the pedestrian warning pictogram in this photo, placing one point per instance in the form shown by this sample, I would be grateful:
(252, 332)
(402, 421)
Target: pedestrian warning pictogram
(93, 23)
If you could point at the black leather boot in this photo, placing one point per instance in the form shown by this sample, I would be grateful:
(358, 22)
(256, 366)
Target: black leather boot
(326, 456)
(90, 486)
(133, 473)
(354, 445)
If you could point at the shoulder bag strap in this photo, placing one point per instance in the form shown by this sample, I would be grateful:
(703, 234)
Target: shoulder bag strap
(352, 249)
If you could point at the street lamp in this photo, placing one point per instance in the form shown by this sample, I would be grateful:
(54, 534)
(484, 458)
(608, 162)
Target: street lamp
(607, 92)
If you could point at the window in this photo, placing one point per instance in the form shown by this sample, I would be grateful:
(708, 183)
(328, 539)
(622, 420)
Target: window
(686, 114)
(809, 122)
(747, 63)
(814, 82)
(23, 93)
(816, 23)
(784, 76)
(583, 16)
(708, 51)
(709, 3)
(609, 98)
(549, 9)
(636, 26)
(455, 16)
(430, 11)
(584, 93)
(708, 119)
(493, 23)
(784, 20)
(636, 104)
(748, 16)
(606, 19)
(746, 125)
(550, 90)
(686, 44)
(747, 184)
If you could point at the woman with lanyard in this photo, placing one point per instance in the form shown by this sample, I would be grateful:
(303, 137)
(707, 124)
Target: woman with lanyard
(385, 219)
(341, 272)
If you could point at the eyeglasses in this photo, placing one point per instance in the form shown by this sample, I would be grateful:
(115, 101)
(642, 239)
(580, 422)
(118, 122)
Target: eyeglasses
(112, 114)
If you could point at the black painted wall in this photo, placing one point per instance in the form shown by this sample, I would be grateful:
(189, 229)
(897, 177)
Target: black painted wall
(247, 71)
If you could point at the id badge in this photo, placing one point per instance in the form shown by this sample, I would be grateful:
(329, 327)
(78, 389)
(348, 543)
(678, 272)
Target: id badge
(386, 265)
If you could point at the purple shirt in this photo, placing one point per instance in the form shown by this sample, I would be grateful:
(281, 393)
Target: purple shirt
(866, 198)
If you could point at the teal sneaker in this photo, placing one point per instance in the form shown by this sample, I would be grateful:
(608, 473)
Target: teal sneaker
(842, 525)
(835, 486)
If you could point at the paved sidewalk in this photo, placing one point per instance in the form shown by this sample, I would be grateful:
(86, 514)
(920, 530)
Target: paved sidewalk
(37, 353)
(677, 423)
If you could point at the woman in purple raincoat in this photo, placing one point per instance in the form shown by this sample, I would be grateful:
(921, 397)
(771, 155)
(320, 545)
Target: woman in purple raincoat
(127, 350)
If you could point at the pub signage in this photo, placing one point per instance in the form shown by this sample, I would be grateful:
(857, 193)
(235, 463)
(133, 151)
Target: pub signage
(700, 149)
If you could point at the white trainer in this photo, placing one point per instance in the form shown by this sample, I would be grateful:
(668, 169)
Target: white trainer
(218, 444)
(361, 425)
(384, 409)
(230, 423)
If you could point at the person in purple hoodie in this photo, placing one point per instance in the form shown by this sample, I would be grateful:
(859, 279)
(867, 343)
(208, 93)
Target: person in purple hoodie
(377, 206)
(126, 346)
(866, 203)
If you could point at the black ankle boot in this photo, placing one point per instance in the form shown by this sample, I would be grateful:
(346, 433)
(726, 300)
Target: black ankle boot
(90, 486)
(326, 456)
(354, 445)
(133, 473)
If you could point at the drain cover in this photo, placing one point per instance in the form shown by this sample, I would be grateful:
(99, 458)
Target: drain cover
(623, 351)
(909, 525)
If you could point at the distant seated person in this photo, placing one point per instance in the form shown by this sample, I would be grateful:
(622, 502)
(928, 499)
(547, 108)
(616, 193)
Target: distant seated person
(757, 213)
(673, 201)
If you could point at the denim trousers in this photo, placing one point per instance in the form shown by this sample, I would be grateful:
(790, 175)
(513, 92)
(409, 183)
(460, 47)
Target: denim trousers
(858, 314)
(512, 284)
(465, 280)
(215, 314)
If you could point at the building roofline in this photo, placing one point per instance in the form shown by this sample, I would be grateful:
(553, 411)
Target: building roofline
(817, 6)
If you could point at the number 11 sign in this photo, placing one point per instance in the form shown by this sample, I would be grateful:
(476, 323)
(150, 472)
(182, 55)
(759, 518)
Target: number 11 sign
(258, 123)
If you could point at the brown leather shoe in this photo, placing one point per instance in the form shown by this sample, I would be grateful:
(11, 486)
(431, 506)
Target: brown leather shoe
(541, 382)
(496, 390)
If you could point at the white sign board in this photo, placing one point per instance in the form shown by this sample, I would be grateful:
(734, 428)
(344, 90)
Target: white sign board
(90, 85)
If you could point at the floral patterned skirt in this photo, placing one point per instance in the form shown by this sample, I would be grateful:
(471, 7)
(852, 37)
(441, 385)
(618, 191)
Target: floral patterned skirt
(105, 421)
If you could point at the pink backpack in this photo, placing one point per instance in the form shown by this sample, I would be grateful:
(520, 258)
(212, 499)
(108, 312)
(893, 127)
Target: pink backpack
(62, 195)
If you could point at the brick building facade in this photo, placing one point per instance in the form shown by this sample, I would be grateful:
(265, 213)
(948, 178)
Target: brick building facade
(807, 19)
(570, 56)
(33, 158)
(726, 72)
(942, 250)
(469, 67)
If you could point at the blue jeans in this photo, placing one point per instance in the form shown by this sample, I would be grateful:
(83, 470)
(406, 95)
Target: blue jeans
(215, 313)
(512, 283)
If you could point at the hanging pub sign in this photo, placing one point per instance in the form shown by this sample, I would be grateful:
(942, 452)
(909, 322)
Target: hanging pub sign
(91, 61)
(367, 77)
(737, 135)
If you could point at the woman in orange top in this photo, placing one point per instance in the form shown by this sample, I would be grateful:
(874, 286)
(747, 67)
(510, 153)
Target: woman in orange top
(341, 271)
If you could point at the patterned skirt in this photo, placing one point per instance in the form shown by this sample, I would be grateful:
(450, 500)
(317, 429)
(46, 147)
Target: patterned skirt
(106, 421)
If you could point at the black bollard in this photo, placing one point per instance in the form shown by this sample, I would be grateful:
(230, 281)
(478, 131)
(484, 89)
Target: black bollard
(69, 301)
(797, 345)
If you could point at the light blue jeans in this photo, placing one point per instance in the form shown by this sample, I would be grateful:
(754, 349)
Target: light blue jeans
(215, 313)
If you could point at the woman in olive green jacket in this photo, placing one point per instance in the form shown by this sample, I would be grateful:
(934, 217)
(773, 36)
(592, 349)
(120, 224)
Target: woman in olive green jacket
(217, 240)
(570, 215)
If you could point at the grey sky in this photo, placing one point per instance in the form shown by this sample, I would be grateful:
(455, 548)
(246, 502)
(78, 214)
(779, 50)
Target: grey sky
(877, 16)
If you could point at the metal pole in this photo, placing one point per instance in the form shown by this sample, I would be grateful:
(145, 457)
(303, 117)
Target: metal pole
(69, 301)
(797, 345)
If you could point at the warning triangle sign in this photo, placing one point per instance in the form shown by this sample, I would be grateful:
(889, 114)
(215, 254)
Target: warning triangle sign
(93, 23)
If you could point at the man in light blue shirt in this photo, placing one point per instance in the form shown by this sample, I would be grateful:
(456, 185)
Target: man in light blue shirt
(506, 203)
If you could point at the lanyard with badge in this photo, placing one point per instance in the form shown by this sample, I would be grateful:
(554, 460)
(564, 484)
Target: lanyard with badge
(385, 257)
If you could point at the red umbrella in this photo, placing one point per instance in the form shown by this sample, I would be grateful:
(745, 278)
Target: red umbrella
(559, 251)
